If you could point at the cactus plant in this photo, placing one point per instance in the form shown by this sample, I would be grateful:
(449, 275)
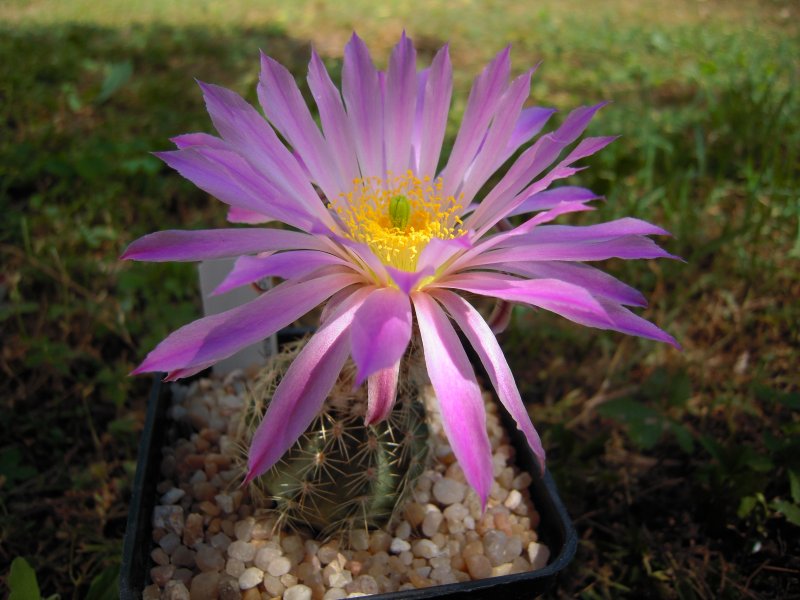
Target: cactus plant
(342, 475)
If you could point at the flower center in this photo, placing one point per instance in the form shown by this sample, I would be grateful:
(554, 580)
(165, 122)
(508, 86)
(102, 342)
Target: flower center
(397, 216)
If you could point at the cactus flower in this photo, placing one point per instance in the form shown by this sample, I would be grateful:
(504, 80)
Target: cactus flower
(381, 236)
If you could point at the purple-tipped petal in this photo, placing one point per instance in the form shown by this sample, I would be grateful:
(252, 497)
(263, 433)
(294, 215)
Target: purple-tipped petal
(625, 247)
(439, 251)
(188, 140)
(284, 106)
(530, 122)
(218, 336)
(380, 332)
(438, 90)
(334, 119)
(508, 194)
(228, 177)
(594, 280)
(408, 280)
(206, 244)
(490, 156)
(485, 344)
(381, 394)
(362, 95)
(247, 217)
(568, 300)
(303, 389)
(565, 299)
(549, 234)
(482, 104)
(398, 122)
(550, 198)
(247, 131)
(460, 400)
(626, 322)
(287, 265)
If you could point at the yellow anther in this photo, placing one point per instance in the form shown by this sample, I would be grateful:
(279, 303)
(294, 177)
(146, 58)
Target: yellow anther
(398, 216)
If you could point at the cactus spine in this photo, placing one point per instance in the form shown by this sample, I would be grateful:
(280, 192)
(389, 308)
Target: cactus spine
(342, 475)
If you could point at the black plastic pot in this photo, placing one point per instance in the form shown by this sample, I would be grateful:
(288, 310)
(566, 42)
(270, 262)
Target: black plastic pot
(555, 529)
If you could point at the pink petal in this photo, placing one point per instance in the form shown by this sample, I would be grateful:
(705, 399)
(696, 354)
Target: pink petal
(483, 340)
(180, 245)
(490, 155)
(380, 332)
(625, 247)
(226, 175)
(439, 251)
(247, 131)
(362, 96)
(460, 400)
(400, 106)
(286, 109)
(381, 394)
(218, 336)
(287, 265)
(187, 140)
(594, 280)
(437, 93)
(570, 301)
(334, 119)
(249, 217)
(484, 97)
(303, 389)
(508, 194)
(408, 280)
(565, 299)
(601, 231)
(530, 122)
(550, 198)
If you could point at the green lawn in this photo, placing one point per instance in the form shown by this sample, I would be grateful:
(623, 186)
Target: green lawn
(681, 470)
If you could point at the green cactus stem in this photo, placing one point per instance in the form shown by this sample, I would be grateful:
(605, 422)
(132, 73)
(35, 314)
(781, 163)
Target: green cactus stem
(342, 475)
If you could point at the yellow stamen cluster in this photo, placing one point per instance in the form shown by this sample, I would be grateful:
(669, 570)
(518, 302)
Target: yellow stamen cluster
(398, 216)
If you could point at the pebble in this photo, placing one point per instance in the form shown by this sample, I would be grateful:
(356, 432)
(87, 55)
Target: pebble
(264, 556)
(448, 491)
(169, 542)
(224, 502)
(193, 530)
(279, 566)
(425, 549)
(175, 590)
(433, 519)
(242, 551)
(205, 586)
(162, 574)
(229, 589)
(169, 517)
(244, 529)
(273, 585)
(538, 554)
(297, 592)
(478, 566)
(397, 546)
(209, 558)
(250, 578)
(159, 556)
(183, 557)
(212, 542)
(172, 496)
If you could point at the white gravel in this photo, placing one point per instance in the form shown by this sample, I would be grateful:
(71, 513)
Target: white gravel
(210, 541)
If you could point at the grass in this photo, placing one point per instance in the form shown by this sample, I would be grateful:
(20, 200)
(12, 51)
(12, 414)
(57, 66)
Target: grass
(680, 469)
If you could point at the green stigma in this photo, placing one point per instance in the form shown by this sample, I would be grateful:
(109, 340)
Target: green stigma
(399, 211)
